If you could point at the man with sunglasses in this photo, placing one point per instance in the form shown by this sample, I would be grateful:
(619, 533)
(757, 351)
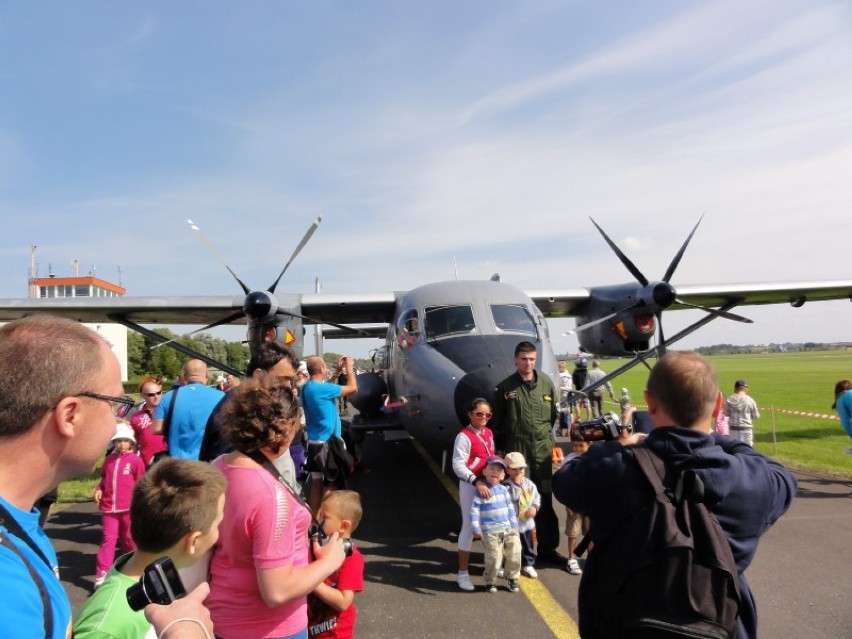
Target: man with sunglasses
(525, 409)
(60, 393)
(151, 444)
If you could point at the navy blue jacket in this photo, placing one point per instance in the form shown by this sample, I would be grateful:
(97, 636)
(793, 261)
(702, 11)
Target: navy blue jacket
(745, 490)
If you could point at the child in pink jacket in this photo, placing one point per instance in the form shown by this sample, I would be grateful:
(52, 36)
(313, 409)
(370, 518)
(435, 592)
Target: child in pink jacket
(121, 470)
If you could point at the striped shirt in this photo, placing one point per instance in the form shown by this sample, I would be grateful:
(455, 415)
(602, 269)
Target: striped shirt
(495, 514)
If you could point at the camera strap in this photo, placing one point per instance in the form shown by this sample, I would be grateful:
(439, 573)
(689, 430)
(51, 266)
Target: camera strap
(262, 460)
(14, 528)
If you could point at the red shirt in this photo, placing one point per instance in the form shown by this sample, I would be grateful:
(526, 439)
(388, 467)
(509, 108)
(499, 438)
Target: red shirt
(323, 621)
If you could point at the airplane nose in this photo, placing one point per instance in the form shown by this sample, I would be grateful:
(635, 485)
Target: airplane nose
(478, 383)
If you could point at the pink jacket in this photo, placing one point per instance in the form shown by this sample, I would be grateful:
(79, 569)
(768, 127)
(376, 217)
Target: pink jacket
(119, 475)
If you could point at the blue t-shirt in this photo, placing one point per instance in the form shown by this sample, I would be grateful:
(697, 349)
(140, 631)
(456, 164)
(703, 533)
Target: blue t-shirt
(194, 404)
(322, 419)
(844, 410)
(21, 608)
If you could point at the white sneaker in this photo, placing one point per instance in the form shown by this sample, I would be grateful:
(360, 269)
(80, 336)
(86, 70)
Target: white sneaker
(99, 580)
(463, 579)
(574, 567)
(500, 573)
(530, 572)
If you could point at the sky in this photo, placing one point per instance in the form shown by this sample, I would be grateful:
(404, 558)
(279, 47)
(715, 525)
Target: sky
(437, 140)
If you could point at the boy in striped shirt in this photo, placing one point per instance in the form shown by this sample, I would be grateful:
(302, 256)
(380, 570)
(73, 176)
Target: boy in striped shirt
(493, 520)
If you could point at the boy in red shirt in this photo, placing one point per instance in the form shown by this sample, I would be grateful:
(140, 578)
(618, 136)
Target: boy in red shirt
(331, 607)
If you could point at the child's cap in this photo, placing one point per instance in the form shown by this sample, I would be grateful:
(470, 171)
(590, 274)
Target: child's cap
(515, 461)
(303, 368)
(624, 391)
(495, 459)
(123, 431)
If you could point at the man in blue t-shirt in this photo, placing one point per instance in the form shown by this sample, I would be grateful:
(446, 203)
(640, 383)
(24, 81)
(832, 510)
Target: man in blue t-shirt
(322, 419)
(60, 394)
(195, 401)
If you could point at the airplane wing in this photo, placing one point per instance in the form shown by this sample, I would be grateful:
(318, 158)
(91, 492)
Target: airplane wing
(140, 310)
(351, 308)
(570, 302)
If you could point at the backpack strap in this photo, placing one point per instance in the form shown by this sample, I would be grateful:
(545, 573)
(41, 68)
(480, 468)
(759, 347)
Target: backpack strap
(14, 528)
(687, 486)
(652, 467)
(167, 422)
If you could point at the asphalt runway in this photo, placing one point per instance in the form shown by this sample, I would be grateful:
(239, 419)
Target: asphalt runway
(800, 576)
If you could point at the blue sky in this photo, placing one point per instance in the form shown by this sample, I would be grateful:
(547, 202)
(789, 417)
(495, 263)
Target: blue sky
(480, 134)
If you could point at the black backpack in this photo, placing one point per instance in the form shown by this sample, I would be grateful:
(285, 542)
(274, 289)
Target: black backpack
(668, 570)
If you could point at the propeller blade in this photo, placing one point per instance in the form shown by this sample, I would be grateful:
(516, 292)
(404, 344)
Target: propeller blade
(599, 320)
(224, 320)
(298, 250)
(671, 269)
(349, 329)
(624, 259)
(718, 313)
(661, 344)
(210, 248)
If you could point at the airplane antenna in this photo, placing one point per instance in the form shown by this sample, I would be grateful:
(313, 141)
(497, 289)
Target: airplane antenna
(210, 248)
(456, 268)
(298, 250)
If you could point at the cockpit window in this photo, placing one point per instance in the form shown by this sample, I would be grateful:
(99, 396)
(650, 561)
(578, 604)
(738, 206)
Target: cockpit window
(448, 320)
(512, 317)
(408, 329)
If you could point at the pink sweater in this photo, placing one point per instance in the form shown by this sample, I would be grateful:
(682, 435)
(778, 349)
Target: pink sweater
(119, 475)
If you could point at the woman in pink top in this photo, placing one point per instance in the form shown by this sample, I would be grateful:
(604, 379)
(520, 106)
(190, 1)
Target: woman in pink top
(261, 571)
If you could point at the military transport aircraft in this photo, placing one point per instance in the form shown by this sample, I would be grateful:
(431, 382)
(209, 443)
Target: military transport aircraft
(446, 342)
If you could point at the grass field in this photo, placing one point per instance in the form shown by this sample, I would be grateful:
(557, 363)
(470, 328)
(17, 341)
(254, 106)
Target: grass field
(783, 381)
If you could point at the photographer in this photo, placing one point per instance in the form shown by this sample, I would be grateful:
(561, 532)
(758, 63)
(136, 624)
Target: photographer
(744, 490)
(324, 429)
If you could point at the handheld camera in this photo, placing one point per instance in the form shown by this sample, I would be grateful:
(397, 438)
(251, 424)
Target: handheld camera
(160, 583)
(317, 533)
(604, 428)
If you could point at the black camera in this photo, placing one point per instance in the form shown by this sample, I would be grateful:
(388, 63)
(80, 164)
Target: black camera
(605, 428)
(317, 533)
(160, 583)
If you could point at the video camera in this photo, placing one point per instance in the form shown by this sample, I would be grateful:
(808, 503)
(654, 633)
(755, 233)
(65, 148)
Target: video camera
(604, 428)
(160, 583)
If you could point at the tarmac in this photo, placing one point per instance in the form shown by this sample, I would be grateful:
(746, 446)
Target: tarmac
(800, 576)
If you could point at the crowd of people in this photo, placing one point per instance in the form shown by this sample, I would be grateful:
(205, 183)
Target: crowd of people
(212, 478)
(257, 559)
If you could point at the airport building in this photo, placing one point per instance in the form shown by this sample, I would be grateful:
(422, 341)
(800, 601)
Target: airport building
(85, 286)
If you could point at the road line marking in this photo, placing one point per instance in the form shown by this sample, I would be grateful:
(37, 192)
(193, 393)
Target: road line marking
(554, 615)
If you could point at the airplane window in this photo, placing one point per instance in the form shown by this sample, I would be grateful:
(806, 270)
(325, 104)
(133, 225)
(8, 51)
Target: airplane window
(408, 329)
(512, 317)
(447, 320)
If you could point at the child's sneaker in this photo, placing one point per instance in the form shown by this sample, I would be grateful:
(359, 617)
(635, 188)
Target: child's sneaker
(529, 571)
(463, 579)
(573, 567)
(513, 585)
(490, 588)
(99, 580)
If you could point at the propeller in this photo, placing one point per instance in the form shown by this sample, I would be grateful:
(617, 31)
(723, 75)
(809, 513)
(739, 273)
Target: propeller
(262, 306)
(661, 293)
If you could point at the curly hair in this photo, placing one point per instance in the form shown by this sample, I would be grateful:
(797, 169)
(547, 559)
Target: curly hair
(260, 413)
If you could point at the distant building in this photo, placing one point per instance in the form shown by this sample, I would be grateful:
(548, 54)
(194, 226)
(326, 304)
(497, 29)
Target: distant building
(54, 287)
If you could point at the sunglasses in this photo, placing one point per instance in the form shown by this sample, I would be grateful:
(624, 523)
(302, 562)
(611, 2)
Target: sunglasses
(152, 394)
(482, 415)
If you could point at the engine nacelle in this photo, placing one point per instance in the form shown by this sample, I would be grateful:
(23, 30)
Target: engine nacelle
(622, 335)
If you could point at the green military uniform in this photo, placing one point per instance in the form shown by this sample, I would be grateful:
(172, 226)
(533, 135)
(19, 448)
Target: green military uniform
(524, 414)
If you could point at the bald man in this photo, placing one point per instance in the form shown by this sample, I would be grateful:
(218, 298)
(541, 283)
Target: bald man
(193, 403)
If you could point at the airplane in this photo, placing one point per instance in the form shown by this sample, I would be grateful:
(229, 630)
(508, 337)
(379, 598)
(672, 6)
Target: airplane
(445, 343)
